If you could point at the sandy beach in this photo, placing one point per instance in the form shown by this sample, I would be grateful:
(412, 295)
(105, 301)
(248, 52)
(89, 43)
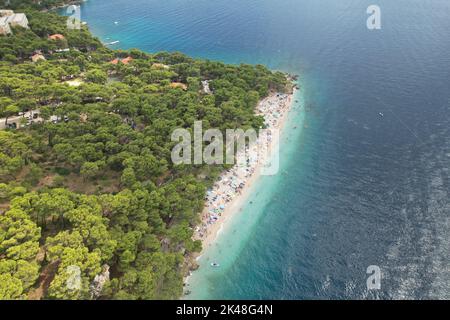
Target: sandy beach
(230, 192)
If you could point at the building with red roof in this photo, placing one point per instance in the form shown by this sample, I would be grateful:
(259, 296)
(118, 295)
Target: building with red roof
(126, 60)
(56, 37)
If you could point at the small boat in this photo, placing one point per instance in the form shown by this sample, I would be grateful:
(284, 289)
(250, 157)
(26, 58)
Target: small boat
(381, 114)
(113, 42)
(188, 292)
(115, 22)
(215, 265)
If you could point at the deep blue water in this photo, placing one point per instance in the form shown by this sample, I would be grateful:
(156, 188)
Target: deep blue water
(358, 189)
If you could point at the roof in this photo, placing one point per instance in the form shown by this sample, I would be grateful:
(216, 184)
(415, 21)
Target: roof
(56, 36)
(124, 61)
(4, 26)
(160, 66)
(6, 12)
(17, 17)
(178, 85)
(37, 57)
(127, 60)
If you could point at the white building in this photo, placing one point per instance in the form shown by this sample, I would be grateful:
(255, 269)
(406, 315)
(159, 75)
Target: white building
(18, 20)
(4, 26)
(9, 19)
(4, 13)
(206, 88)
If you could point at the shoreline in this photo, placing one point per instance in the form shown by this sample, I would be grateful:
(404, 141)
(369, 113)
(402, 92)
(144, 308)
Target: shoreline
(221, 207)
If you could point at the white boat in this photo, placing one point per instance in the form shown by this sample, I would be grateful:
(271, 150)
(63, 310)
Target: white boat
(215, 265)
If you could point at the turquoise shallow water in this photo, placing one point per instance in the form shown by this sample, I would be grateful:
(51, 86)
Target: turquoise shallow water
(355, 188)
(234, 237)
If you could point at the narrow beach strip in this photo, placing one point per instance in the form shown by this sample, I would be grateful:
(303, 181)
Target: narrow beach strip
(233, 187)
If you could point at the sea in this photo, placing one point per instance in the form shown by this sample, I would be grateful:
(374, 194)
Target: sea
(360, 206)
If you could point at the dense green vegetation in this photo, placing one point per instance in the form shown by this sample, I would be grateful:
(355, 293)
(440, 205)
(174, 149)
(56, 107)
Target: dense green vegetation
(95, 186)
(36, 4)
